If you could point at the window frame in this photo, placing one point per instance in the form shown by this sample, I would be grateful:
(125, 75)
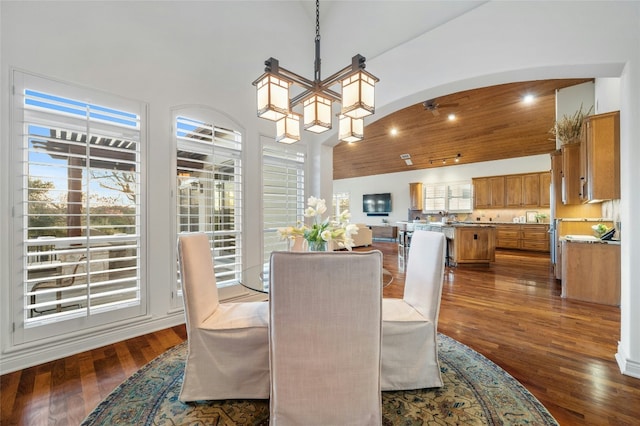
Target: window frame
(54, 326)
(218, 120)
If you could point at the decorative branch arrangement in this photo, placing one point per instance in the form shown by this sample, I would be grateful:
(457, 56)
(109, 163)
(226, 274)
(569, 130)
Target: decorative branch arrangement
(568, 129)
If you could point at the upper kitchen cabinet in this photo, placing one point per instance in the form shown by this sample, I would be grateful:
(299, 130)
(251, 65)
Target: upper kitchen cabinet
(523, 190)
(416, 196)
(571, 187)
(488, 192)
(545, 189)
(601, 156)
(512, 191)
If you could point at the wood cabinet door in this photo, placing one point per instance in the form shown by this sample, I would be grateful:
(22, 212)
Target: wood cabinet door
(571, 182)
(545, 190)
(514, 192)
(481, 193)
(496, 183)
(602, 157)
(531, 190)
(415, 196)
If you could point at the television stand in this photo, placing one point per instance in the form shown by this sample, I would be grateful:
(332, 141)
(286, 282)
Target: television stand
(387, 232)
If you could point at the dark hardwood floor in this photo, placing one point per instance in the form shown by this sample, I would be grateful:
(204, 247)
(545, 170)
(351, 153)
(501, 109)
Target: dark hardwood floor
(561, 351)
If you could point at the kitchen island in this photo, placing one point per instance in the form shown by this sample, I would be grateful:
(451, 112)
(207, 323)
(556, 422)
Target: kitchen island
(467, 242)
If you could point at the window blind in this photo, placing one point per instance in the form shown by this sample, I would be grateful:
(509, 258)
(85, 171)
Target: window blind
(209, 191)
(283, 199)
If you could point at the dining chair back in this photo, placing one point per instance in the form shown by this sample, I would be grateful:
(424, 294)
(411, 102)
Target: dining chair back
(325, 338)
(228, 344)
(409, 325)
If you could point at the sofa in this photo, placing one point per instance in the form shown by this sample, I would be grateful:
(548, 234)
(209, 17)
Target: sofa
(363, 238)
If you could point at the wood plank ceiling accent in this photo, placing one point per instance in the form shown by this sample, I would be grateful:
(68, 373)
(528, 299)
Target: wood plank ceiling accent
(491, 123)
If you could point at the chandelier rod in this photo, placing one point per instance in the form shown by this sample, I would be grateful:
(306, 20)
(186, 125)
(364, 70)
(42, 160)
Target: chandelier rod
(317, 43)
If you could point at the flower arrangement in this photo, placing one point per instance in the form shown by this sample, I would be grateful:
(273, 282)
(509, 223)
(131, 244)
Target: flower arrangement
(568, 129)
(322, 231)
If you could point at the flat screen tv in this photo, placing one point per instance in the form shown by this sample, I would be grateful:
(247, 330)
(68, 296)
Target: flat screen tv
(376, 203)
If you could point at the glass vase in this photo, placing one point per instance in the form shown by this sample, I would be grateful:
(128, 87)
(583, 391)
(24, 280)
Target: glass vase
(318, 245)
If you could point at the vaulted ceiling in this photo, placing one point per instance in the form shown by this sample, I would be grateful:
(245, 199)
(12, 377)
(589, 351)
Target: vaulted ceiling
(491, 123)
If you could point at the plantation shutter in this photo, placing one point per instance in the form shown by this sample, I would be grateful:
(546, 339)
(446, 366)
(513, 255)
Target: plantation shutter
(209, 192)
(460, 199)
(435, 197)
(282, 192)
(81, 198)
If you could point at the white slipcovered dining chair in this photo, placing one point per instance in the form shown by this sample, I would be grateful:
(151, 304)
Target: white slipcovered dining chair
(228, 356)
(324, 338)
(409, 325)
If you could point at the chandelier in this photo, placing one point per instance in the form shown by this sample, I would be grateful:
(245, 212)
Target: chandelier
(357, 98)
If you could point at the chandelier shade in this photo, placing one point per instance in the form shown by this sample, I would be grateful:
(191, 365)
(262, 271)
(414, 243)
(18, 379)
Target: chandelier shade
(288, 129)
(358, 95)
(317, 96)
(273, 97)
(350, 129)
(317, 114)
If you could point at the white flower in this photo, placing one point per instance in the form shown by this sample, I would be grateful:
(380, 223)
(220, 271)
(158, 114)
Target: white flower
(338, 230)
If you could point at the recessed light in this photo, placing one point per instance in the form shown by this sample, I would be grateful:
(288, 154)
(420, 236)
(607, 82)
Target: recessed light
(394, 131)
(451, 117)
(528, 99)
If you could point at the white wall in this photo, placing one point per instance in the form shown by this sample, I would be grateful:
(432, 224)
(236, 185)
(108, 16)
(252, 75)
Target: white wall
(607, 95)
(175, 53)
(398, 183)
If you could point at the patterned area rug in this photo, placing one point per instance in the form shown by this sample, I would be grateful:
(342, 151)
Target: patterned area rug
(476, 392)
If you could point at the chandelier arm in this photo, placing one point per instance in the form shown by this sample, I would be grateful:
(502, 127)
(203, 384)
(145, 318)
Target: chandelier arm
(295, 78)
(336, 77)
(331, 94)
(299, 98)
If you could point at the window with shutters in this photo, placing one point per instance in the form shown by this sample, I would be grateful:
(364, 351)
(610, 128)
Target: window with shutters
(435, 197)
(459, 197)
(283, 200)
(209, 189)
(80, 204)
(453, 197)
(340, 203)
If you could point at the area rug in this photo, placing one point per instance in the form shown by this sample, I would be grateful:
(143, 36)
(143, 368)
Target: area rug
(476, 392)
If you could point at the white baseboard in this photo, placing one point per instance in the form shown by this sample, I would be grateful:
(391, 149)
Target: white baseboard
(627, 366)
(31, 356)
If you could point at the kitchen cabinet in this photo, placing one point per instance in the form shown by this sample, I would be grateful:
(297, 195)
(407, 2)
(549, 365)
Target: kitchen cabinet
(571, 182)
(473, 244)
(591, 272)
(523, 190)
(601, 157)
(416, 200)
(488, 192)
(508, 236)
(517, 191)
(534, 237)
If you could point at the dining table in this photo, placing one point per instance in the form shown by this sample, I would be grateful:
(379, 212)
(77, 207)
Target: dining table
(256, 278)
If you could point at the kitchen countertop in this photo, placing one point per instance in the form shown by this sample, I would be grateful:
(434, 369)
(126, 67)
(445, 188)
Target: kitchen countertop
(588, 239)
(458, 224)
